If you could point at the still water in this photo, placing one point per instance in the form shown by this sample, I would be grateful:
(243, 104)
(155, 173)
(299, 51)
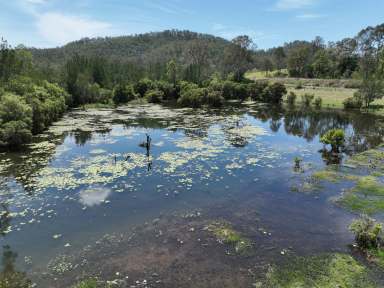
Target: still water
(92, 197)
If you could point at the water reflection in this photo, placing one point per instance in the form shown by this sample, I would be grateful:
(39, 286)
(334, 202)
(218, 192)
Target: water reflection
(94, 196)
(9, 276)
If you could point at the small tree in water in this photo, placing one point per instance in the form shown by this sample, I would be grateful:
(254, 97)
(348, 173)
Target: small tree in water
(335, 138)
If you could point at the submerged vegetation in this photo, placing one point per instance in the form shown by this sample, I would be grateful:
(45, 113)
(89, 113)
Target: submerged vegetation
(226, 234)
(326, 271)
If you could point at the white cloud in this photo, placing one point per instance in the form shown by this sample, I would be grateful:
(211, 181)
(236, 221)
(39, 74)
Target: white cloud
(293, 4)
(59, 29)
(36, 1)
(309, 16)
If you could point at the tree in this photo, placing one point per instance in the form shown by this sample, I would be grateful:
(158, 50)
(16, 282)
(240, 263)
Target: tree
(267, 65)
(279, 57)
(198, 53)
(335, 138)
(14, 61)
(298, 62)
(322, 65)
(238, 57)
(172, 72)
(372, 86)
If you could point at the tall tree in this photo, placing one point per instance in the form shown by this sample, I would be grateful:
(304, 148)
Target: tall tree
(238, 56)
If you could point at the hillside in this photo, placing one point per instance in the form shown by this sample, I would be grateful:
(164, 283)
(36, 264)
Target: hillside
(146, 48)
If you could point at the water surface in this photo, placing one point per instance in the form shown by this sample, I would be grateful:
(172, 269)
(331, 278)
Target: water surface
(91, 177)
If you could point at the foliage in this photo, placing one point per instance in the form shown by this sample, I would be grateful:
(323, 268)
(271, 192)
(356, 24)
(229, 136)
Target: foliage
(123, 94)
(274, 93)
(15, 121)
(154, 96)
(354, 102)
(256, 90)
(371, 89)
(238, 57)
(318, 102)
(367, 232)
(334, 137)
(291, 98)
(13, 62)
(142, 86)
(307, 99)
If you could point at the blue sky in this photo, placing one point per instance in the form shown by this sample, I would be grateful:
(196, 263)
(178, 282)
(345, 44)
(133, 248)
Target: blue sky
(51, 23)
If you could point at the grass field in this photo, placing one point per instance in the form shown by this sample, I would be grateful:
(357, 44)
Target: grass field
(332, 97)
(333, 92)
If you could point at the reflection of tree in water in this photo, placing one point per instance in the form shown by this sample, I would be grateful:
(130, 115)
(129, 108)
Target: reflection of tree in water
(5, 219)
(81, 137)
(9, 277)
(311, 124)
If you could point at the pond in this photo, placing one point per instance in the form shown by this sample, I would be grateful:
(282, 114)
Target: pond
(92, 196)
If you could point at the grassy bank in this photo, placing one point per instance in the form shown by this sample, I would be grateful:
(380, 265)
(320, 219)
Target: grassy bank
(333, 92)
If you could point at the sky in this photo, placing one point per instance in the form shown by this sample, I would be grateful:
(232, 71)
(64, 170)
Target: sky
(270, 23)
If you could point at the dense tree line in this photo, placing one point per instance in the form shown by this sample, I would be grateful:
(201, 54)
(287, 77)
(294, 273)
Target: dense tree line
(28, 105)
(316, 59)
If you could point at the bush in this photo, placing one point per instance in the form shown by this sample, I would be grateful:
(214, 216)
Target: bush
(335, 138)
(307, 99)
(214, 99)
(367, 232)
(192, 97)
(291, 98)
(318, 102)
(15, 121)
(154, 96)
(354, 102)
(142, 86)
(256, 90)
(274, 93)
(169, 91)
(123, 94)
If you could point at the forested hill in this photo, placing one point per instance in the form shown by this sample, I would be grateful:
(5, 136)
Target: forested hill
(156, 47)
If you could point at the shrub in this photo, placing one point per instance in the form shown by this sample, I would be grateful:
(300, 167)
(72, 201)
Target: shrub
(154, 96)
(335, 138)
(169, 91)
(354, 102)
(15, 121)
(307, 99)
(318, 102)
(142, 86)
(274, 93)
(367, 232)
(234, 90)
(256, 90)
(214, 99)
(123, 94)
(291, 98)
(192, 97)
